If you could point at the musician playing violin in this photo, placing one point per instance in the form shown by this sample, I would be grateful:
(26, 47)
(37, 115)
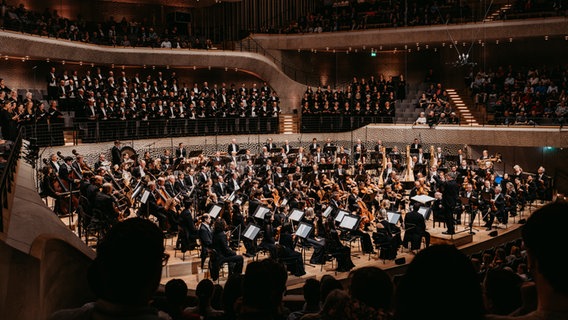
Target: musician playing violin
(497, 209)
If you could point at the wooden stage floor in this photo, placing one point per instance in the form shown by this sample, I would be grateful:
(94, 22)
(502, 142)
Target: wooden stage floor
(189, 270)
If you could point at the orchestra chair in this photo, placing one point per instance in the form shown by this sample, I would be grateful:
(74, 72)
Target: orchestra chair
(328, 256)
(412, 240)
(349, 238)
(177, 247)
(383, 242)
(216, 270)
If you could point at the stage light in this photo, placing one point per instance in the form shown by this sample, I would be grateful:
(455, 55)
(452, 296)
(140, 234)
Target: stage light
(373, 54)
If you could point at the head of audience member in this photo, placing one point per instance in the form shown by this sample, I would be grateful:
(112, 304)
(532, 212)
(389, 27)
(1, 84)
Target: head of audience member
(263, 287)
(328, 283)
(372, 287)
(336, 306)
(135, 246)
(312, 293)
(204, 292)
(440, 283)
(232, 291)
(176, 292)
(502, 291)
(543, 231)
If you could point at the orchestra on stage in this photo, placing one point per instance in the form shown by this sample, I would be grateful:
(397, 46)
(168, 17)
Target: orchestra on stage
(285, 200)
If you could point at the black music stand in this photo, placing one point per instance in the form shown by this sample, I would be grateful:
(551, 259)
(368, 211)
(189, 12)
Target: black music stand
(465, 201)
(296, 215)
(241, 152)
(350, 222)
(393, 217)
(330, 149)
(425, 212)
(303, 232)
(215, 211)
(340, 214)
(251, 232)
(261, 212)
(327, 212)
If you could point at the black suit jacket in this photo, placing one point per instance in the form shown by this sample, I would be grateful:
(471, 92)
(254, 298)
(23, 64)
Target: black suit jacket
(116, 156)
(232, 148)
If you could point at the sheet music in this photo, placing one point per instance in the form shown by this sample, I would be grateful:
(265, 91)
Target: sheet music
(349, 222)
(296, 215)
(251, 231)
(340, 215)
(215, 210)
(327, 212)
(145, 196)
(303, 230)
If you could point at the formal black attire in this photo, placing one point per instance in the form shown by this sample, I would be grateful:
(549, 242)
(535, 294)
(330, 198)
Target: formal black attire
(116, 156)
(206, 240)
(224, 254)
(415, 230)
(188, 234)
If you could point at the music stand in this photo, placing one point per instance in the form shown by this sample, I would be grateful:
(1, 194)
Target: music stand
(465, 201)
(251, 232)
(241, 152)
(350, 222)
(327, 211)
(260, 212)
(304, 230)
(425, 212)
(296, 215)
(232, 197)
(340, 214)
(330, 149)
(284, 202)
(424, 199)
(393, 217)
(215, 211)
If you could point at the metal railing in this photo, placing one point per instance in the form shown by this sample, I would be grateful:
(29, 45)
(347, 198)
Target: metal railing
(108, 130)
(7, 183)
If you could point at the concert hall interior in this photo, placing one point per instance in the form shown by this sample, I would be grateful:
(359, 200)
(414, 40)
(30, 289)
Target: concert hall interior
(327, 136)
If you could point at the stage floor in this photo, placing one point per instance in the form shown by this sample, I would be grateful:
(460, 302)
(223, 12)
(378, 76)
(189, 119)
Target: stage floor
(188, 267)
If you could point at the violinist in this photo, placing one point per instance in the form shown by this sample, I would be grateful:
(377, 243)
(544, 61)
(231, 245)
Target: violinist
(472, 202)
(268, 242)
(287, 251)
(333, 246)
(188, 233)
(541, 183)
(151, 207)
(105, 208)
(510, 200)
(497, 209)
(67, 174)
(415, 228)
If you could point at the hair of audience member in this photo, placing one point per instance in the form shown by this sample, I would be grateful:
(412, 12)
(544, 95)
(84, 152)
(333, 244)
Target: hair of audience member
(204, 293)
(128, 266)
(502, 288)
(232, 291)
(328, 283)
(216, 298)
(543, 231)
(264, 285)
(440, 283)
(176, 291)
(372, 286)
(336, 305)
(312, 291)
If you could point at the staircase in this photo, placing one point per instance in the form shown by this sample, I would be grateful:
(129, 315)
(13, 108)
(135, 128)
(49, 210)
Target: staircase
(466, 117)
(495, 14)
(288, 124)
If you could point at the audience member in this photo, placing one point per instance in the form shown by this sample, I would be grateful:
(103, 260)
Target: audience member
(263, 287)
(440, 283)
(550, 276)
(371, 290)
(335, 307)
(204, 292)
(502, 291)
(176, 299)
(311, 299)
(125, 274)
